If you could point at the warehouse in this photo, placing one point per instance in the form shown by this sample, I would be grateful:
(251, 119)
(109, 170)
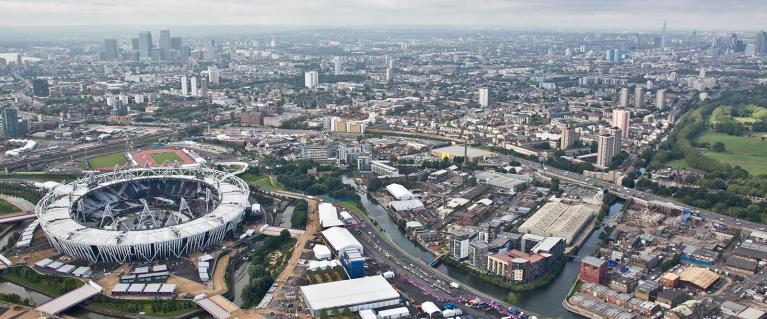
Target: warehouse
(399, 192)
(356, 294)
(506, 182)
(698, 277)
(328, 215)
(472, 154)
(341, 239)
(558, 219)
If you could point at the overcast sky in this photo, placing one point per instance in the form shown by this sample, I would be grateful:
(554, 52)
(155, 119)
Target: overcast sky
(522, 14)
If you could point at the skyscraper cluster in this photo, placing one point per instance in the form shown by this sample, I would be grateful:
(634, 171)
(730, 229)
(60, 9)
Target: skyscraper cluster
(144, 49)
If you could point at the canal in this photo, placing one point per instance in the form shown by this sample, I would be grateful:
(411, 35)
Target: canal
(546, 301)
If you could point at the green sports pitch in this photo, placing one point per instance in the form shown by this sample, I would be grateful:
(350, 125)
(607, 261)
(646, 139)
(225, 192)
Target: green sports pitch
(163, 157)
(108, 161)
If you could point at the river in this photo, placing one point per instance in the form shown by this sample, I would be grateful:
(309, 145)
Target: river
(545, 301)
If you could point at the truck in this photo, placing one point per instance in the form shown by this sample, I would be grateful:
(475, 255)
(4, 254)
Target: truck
(454, 285)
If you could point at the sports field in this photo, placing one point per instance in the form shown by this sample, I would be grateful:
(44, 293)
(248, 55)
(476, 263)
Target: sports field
(160, 156)
(163, 157)
(745, 151)
(108, 161)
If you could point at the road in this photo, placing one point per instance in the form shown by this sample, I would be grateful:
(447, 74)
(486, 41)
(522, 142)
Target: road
(97, 150)
(625, 192)
(412, 268)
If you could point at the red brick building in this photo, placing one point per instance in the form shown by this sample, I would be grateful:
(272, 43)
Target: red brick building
(593, 270)
(252, 118)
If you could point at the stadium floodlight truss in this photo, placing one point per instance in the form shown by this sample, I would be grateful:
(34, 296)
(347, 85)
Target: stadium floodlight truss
(63, 220)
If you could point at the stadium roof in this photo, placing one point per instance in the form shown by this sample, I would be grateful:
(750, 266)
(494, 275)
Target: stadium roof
(341, 239)
(56, 219)
(350, 292)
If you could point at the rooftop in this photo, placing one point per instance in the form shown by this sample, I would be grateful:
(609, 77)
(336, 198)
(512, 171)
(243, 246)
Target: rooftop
(348, 292)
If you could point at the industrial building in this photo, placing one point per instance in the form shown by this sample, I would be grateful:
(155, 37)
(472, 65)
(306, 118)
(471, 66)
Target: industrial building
(698, 277)
(328, 215)
(593, 270)
(559, 219)
(400, 192)
(471, 154)
(507, 182)
(341, 239)
(372, 292)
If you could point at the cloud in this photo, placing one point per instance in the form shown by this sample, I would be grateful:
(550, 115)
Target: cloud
(549, 14)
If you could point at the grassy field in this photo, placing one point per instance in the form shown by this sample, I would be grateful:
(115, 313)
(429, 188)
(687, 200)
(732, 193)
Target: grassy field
(329, 275)
(744, 151)
(679, 164)
(108, 161)
(7, 208)
(48, 285)
(155, 308)
(163, 157)
(261, 181)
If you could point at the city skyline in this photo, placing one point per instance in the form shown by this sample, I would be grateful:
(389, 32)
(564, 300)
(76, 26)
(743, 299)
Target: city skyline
(545, 15)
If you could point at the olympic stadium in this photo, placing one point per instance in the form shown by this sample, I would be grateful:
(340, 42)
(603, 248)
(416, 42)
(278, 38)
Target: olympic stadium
(143, 214)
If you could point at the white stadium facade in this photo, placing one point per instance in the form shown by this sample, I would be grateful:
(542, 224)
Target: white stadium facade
(143, 214)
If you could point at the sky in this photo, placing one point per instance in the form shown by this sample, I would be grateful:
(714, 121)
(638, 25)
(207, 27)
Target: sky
(727, 15)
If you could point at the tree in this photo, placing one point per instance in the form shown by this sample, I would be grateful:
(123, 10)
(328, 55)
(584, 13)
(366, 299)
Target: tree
(374, 184)
(317, 189)
(718, 147)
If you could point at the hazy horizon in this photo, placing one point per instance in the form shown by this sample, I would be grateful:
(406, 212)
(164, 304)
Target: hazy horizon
(552, 15)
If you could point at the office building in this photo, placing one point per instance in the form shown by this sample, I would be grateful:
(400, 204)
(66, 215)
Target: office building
(164, 44)
(389, 75)
(623, 100)
(622, 120)
(660, 99)
(11, 125)
(175, 43)
(638, 97)
(761, 43)
(214, 75)
(484, 97)
(749, 51)
(40, 88)
(664, 37)
(339, 67)
(605, 150)
(311, 79)
(110, 49)
(203, 87)
(193, 86)
(145, 45)
(184, 86)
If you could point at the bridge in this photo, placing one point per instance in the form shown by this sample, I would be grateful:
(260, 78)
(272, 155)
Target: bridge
(217, 306)
(17, 217)
(70, 299)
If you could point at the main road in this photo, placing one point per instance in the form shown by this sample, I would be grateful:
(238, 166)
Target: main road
(626, 192)
(416, 271)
